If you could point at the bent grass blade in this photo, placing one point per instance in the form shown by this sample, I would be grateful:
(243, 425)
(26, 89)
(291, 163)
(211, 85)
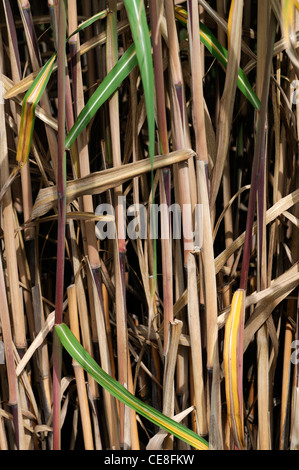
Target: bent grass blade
(34, 94)
(77, 352)
(108, 86)
(98, 16)
(221, 54)
(101, 181)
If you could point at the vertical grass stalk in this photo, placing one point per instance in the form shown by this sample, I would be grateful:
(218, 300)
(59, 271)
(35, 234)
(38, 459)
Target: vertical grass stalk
(165, 175)
(120, 240)
(61, 188)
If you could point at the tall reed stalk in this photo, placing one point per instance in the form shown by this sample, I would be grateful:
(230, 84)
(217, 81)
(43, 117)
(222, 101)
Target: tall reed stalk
(119, 247)
(61, 188)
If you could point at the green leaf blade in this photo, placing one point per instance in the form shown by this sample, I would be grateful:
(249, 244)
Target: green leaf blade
(221, 54)
(98, 16)
(107, 87)
(141, 36)
(77, 352)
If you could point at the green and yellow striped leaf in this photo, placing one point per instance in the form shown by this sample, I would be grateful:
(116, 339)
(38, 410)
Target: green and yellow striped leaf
(30, 102)
(77, 352)
(141, 36)
(34, 94)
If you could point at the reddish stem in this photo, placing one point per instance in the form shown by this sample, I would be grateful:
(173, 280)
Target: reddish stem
(259, 149)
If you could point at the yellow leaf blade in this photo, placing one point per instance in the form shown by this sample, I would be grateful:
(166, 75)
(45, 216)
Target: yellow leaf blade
(232, 359)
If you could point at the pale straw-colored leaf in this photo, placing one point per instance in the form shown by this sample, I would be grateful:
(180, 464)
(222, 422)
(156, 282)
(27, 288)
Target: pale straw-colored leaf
(156, 442)
(99, 182)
